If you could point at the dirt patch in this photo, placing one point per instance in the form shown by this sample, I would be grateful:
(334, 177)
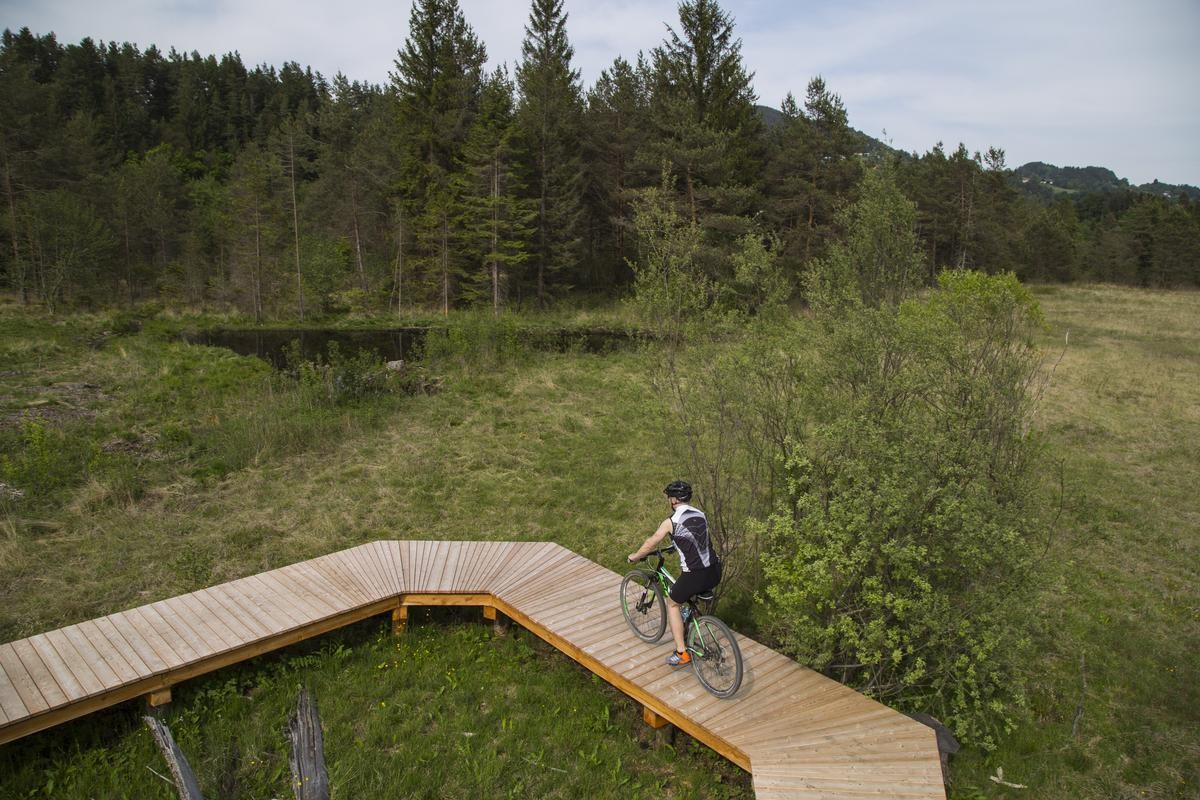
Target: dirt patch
(59, 404)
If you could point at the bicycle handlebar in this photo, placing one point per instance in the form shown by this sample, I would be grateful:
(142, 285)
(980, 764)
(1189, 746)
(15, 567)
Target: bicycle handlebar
(661, 552)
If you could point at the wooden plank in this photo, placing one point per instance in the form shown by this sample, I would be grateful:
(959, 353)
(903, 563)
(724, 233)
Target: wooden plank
(95, 654)
(143, 627)
(451, 552)
(15, 685)
(431, 565)
(577, 591)
(407, 552)
(335, 587)
(229, 627)
(351, 566)
(271, 605)
(385, 554)
(58, 668)
(491, 558)
(236, 603)
(292, 598)
(131, 629)
(225, 629)
(26, 684)
(345, 578)
(131, 654)
(314, 594)
(359, 566)
(468, 569)
(119, 656)
(418, 561)
(516, 562)
(561, 581)
(212, 630)
(334, 591)
(79, 665)
(186, 642)
(539, 563)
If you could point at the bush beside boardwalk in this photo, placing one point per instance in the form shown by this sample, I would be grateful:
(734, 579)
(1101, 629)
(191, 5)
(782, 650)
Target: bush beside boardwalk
(225, 471)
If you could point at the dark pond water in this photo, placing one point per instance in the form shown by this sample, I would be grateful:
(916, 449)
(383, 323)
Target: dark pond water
(391, 344)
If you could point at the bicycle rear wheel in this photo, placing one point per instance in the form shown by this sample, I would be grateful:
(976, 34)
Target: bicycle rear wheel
(643, 605)
(716, 656)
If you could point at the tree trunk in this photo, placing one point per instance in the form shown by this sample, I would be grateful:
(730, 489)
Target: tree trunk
(445, 265)
(295, 220)
(400, 261)
(256, 288)
(12, 213)
(495, 237)
(362, 271)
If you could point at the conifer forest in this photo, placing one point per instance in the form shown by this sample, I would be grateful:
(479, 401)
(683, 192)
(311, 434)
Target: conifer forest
(130, 174)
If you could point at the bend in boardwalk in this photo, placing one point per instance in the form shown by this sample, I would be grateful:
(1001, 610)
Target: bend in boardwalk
(799, 733)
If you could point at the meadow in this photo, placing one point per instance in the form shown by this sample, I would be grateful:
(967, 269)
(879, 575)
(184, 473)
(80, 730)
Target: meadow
(162, 467)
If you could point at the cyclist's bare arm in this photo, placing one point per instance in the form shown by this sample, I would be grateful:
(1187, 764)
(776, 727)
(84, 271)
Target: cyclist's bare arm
(651, 544)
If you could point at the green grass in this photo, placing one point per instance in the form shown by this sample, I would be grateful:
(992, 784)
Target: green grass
(1118, 621)
(447, 710)
(226, 471)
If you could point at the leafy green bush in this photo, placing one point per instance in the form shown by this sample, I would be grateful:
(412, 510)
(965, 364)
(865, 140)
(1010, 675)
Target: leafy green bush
(478, 341)
(910, 528)
(338, 378)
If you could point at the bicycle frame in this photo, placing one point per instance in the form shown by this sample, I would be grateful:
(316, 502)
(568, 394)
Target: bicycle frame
(666, 580)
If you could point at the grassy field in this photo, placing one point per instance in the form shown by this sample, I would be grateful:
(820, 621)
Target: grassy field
(165, 467)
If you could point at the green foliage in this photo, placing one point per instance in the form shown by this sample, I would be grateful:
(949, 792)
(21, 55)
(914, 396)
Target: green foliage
(911, 528)
(549, 116)
(671, 291)
(43, 463)
(758, 280)
(475, 342)
(446, 710)
(339, 378)
(879, 261)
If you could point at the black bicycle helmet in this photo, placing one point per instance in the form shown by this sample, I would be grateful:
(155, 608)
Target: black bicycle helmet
(679, 490)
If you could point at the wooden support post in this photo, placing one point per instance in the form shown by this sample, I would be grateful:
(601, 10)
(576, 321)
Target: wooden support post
(500, 623)
(399, 620)
(664, 731)
(159, 698)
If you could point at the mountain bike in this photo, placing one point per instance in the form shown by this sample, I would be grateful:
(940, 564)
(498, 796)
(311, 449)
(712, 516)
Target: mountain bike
(715, 655)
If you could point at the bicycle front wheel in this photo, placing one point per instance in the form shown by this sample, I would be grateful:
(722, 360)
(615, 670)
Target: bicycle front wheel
(716, 656)
(643, 605)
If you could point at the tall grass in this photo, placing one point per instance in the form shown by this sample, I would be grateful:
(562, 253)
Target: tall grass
(235, 473)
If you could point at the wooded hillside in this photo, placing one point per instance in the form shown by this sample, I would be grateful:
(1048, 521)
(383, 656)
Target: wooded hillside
(130, 174)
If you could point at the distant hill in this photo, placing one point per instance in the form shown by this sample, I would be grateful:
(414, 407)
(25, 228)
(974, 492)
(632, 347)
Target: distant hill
(1037, 178)
(1046, 181)
(868, 144)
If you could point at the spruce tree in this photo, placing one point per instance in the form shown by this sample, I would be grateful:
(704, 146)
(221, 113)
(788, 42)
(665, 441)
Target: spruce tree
(549, 115)
(495, 221)
(615, 127)
(707, 129)
(437, 82)
(812, 171)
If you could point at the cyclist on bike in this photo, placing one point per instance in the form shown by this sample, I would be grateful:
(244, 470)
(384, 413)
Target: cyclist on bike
(700, 569)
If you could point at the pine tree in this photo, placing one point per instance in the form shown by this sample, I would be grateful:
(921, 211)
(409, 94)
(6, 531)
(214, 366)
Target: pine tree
(616, 124)
(437, 81)
(707, 129)
(495, 222)
(550, 115)
(255, 186)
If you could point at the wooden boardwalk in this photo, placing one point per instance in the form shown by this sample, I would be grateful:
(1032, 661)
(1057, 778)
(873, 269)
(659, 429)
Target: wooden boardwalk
(798, 733)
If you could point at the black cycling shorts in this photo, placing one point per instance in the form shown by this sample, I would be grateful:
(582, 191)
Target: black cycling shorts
(694, 582)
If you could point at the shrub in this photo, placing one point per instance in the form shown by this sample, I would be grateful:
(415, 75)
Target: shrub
(910, 527)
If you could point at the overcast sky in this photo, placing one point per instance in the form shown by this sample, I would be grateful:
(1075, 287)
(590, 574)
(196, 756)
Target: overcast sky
(1113, 83)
